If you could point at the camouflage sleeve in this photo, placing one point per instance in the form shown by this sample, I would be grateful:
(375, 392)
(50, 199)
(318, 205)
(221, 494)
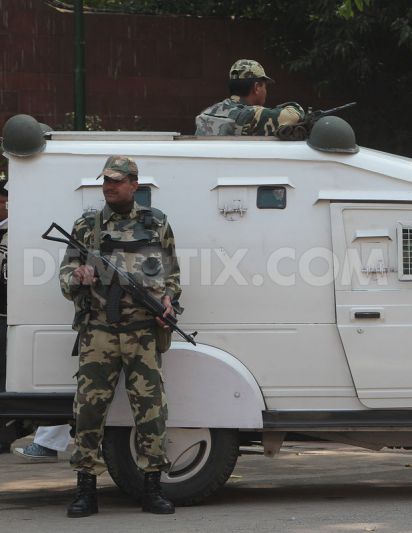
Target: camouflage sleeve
(71, 261)
(260, 120)
(172, 280)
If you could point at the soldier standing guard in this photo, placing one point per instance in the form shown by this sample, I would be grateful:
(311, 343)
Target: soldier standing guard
(138, 240)
(243, 112)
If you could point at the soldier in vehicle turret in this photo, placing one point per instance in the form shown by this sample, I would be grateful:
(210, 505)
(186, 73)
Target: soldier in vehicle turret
(243, 113)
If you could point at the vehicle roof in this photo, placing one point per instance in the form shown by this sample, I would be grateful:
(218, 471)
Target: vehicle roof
(171, 144)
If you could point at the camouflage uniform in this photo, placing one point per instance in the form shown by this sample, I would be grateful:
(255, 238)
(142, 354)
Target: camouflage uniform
(130, 344)
(233, 116)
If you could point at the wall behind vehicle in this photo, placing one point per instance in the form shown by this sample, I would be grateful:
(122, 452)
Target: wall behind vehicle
(164, 70)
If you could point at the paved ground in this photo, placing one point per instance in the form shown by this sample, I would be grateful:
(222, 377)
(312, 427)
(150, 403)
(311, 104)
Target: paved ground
(315, 488)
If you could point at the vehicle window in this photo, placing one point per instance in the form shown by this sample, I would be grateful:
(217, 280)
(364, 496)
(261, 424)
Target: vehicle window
(143, 196)
(271, 197)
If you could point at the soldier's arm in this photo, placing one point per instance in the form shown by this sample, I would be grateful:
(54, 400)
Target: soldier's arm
(172, 271)
(69, 285)
(265, 121)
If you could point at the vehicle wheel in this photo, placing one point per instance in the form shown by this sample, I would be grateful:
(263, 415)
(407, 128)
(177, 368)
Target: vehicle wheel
(202, 461)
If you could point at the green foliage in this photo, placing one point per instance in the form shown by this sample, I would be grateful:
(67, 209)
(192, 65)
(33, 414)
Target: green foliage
(346, 10)
(367, 57)
(93, 123)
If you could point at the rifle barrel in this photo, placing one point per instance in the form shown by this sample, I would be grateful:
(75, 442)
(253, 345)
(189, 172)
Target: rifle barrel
(339, 108)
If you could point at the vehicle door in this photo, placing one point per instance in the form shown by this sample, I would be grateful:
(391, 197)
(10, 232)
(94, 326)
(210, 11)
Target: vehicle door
(372, 244)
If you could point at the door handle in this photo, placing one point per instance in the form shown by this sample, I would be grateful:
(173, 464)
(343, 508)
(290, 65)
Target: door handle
(367, 314)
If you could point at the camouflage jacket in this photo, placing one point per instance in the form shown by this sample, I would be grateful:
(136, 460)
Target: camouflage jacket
(234, 117)
(3, 269)
(145, 227)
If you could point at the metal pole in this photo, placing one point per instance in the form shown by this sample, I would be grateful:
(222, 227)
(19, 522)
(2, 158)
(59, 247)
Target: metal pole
(79, 68)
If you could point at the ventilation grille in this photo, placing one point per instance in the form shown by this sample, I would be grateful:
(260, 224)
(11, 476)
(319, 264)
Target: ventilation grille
(407, 251)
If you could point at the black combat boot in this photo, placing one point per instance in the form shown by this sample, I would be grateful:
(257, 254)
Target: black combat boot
(153, 500)
(85, 502)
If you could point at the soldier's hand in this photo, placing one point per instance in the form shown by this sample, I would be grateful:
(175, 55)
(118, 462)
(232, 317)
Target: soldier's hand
(167, 302)
(84, 275)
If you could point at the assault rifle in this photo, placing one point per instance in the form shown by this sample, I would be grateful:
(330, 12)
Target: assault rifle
(120, 281)
(301, 130)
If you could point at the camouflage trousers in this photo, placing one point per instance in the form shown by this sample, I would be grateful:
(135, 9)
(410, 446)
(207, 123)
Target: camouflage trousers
(102, 356)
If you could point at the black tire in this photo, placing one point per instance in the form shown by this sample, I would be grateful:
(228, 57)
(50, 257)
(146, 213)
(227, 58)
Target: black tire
(221, 460)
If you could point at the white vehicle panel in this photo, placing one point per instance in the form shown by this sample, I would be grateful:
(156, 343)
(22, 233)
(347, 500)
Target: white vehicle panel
(275, 314)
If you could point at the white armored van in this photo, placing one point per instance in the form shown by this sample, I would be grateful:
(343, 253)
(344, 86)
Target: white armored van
(296, 269)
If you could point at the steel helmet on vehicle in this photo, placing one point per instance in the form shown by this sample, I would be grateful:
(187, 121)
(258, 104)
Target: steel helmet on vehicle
(23, 136)
(45, 128)
(333, 134)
